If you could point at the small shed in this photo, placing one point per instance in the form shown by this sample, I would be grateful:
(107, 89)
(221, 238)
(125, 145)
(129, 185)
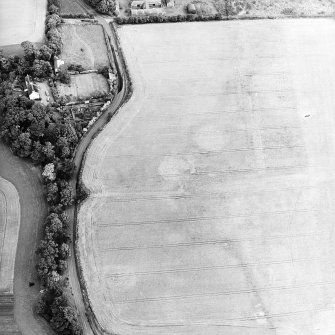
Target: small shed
(58, 63)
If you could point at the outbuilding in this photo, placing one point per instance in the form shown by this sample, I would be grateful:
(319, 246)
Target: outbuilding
(58, 63)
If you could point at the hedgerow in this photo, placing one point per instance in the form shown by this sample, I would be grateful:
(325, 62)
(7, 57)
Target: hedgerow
(164, 19)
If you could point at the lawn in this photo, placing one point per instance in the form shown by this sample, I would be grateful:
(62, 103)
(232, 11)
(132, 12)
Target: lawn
(84, 44)
(84, 86)
(21, 21)
(211, 206)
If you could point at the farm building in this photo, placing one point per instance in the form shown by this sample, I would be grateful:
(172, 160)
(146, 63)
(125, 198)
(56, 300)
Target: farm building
(148, 7)
(58, 63)
(32, 88)
(138, 4)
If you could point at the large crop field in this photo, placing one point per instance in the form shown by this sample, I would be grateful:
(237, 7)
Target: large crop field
(212, 190)
(9, 232)
(21, 21)
(277, 8)
(84, 44)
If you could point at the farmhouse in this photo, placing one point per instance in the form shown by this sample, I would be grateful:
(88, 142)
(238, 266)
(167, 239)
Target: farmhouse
(58, 63)
(138, 4)
(32, 88)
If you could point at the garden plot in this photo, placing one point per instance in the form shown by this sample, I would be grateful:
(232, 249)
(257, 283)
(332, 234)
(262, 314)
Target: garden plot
(212, 190)
(21, 21)
(84, 44)
(84, 86)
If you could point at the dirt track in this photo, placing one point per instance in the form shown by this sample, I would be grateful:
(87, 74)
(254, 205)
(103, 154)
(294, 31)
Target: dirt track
(212, 189)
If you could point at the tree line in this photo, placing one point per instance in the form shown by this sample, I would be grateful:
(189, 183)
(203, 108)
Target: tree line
(164, 18)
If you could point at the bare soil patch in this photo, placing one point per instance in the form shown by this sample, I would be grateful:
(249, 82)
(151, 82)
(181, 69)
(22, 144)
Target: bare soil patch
(21, 21)
(84, 44)
(212, 191)
(84, 86)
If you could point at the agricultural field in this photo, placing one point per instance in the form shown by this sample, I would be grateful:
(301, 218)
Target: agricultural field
(84, 86)
(29, 26)
(281, 7)
(211, 207)
(9, 232)
(71, 7)
(84, 44)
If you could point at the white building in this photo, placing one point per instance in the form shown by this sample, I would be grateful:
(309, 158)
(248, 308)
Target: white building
(32, 88)
(58, 63)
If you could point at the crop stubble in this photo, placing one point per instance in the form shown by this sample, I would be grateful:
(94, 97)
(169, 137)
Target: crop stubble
(211, 207)
(21, 21)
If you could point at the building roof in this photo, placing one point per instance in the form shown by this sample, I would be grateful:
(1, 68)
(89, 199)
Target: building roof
(154, 2)
(138, 4)
(58, 63)
(31, 86)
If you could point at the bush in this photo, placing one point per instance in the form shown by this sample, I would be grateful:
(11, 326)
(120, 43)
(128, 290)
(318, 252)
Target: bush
(63, 75)
(82, 192)
(76, 67)
(103, 6)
